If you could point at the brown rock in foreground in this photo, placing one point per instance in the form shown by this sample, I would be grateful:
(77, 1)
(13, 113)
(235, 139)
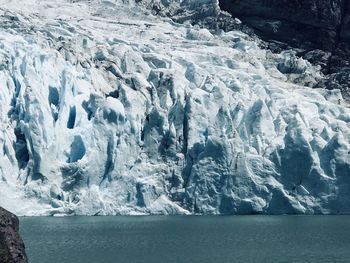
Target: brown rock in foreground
(11, 244)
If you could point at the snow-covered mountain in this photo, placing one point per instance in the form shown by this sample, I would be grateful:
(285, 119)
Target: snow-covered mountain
(112, 107)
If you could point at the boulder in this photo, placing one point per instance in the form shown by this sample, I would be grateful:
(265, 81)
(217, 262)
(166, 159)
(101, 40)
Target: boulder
(12, 248)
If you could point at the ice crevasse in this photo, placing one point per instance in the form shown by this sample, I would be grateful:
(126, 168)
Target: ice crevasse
(106, 108)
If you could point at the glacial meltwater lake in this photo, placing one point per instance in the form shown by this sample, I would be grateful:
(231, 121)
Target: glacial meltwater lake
(187, 239)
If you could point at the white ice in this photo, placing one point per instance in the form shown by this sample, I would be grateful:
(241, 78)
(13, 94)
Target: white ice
(108, 108)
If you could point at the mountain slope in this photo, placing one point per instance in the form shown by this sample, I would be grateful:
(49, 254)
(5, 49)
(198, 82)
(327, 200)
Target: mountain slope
(108, 109)
(319, 30)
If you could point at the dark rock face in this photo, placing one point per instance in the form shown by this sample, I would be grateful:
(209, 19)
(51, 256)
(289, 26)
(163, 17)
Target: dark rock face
(319, 28)
(288, 20)
(345, 33)
(11, 244)
(320, 23)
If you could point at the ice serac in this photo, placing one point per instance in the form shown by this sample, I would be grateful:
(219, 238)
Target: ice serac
(117, 109)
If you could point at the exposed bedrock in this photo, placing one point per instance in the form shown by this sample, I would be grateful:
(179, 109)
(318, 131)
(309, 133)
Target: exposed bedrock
(11, 244)
(321, 28)
(314, 21)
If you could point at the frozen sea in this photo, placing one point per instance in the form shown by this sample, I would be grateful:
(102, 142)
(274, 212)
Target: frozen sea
(187, 239)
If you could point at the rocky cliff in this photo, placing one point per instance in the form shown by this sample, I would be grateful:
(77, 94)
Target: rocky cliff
(320, 30)
(11, 244)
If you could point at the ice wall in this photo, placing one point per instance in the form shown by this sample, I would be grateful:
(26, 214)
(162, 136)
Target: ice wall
(113, 110)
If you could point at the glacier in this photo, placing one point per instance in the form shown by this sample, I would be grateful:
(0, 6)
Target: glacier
(118, 107)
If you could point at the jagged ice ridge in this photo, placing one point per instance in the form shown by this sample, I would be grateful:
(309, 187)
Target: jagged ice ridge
(108, 108)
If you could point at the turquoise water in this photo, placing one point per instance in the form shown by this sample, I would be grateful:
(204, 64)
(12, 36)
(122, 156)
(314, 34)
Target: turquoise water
(187, 239)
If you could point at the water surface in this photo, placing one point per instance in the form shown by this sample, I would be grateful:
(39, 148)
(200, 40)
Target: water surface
(187, 239)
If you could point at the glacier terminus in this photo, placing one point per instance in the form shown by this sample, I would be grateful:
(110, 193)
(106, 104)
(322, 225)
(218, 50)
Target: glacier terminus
(117, 107)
